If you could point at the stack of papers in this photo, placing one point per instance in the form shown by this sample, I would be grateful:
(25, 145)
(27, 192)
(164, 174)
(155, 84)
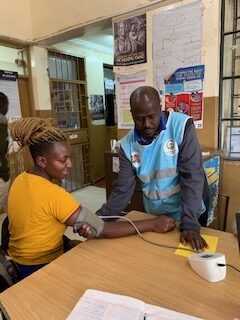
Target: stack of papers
(99, 305)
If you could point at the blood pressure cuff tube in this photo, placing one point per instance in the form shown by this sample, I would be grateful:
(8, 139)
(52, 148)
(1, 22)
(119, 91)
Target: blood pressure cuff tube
(86, 216)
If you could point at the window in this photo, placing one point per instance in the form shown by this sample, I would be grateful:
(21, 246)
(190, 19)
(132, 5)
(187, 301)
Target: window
(69, 105)
(229, 90)
(68, 91)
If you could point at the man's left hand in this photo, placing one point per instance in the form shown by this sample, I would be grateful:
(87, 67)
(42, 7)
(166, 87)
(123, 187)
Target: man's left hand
(194, 238)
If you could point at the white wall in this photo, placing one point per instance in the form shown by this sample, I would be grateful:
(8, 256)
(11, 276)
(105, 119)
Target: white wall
(7, 60)
(41, 90)
(211, 46)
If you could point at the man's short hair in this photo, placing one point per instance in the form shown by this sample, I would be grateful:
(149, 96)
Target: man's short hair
(140, 91)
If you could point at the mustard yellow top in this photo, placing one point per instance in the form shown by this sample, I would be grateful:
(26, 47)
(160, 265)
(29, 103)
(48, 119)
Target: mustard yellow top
(37, 210)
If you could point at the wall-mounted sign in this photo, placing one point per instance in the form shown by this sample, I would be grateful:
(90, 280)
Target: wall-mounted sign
(9, 86)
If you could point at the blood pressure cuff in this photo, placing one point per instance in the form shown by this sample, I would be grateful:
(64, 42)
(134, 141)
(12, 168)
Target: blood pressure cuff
(89, 218)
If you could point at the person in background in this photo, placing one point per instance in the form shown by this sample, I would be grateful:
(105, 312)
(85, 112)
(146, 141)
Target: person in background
(39, 210)
(4, 168)
(169, 166)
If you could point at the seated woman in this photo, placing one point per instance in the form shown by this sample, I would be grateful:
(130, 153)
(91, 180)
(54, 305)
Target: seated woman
(39, 210)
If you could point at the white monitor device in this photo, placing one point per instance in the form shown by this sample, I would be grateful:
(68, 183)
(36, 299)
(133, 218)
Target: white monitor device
(206, 265)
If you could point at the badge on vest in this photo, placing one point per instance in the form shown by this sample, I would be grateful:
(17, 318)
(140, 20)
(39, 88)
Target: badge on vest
(170, 147)
(135, 159)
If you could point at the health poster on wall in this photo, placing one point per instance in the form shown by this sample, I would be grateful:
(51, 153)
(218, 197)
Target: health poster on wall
(125, 85)
(130, 41)
(183, 92)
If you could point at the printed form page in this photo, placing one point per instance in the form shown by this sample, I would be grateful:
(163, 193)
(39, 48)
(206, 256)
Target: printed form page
(100, 305)
(157, 313)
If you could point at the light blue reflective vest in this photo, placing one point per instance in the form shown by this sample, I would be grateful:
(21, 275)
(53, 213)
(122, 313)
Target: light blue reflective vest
(156, 166)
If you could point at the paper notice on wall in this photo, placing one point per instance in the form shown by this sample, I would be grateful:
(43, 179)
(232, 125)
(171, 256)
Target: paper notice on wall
(177, 37)
(125, 85)
(9, 86)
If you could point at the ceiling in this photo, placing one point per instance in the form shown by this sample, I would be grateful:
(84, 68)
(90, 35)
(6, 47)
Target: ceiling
(98, 35)
(98, 38)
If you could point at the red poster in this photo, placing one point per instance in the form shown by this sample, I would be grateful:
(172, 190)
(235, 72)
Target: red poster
(196, 105)
(170, 102)
(183, 103)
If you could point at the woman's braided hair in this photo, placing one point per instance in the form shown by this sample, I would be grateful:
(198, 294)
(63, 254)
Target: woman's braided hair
(39, 134)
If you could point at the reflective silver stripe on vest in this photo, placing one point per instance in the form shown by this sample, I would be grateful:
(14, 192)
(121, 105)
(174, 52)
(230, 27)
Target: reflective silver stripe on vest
(159, 174)
(155, 195)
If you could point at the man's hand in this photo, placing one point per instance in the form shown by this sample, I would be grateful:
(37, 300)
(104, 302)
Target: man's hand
(84, 231)
(194, 238)
(163, 224)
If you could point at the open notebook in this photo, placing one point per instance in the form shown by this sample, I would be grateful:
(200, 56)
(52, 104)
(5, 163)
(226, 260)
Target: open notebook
(99, 305)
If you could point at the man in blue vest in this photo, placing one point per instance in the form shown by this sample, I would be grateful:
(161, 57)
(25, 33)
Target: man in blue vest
(164, 153)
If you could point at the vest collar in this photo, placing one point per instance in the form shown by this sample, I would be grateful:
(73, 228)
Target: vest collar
(145, 141)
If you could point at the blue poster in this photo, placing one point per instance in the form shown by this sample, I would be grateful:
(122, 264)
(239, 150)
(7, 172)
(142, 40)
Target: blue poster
(183, 92)
(177, 81)
(211, 168)
(186, 74)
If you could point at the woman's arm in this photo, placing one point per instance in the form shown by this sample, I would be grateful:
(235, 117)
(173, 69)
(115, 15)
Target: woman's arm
(124, 228)
(89, 225)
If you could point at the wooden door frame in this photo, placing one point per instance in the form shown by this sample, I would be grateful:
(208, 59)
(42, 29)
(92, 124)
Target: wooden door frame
(27, 77)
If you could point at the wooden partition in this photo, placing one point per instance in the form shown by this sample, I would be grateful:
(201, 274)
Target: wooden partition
(208, 136)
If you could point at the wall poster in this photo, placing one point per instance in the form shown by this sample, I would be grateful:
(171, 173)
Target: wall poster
(183, 92)
(125, 85)
(96, 108)
(177, 37)
(130, 41)
(211, 168)
(9, 86)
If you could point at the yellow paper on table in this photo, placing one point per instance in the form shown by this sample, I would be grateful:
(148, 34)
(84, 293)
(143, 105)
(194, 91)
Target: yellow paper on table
(212, 242)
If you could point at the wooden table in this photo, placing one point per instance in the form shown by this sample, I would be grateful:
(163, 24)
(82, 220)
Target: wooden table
(128, 266)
